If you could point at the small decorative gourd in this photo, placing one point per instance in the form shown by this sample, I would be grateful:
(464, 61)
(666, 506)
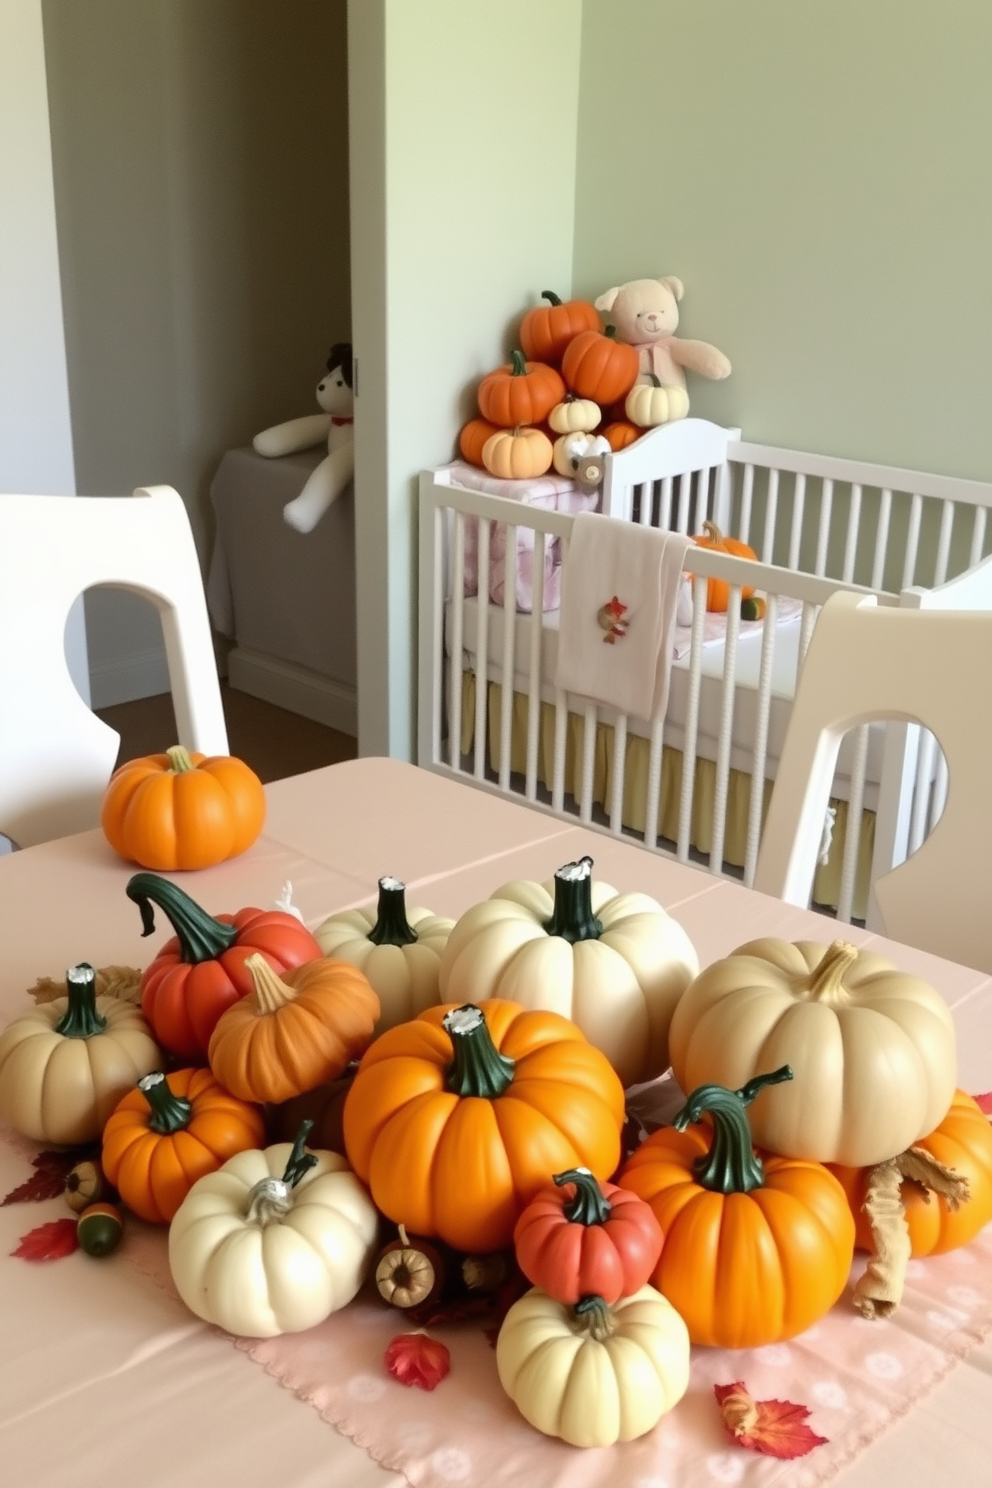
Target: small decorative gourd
(575, 416)
(65, 1064)
(718, 590)
(294, 1031)
(398, 949)
(756, 1248)
(455, 1119)
(593, 1374)
(650, 403)
(872, 1047)
(518, 453)
(274, 1241)
(615, 964)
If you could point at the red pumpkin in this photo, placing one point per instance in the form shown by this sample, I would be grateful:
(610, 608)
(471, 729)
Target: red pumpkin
(585, 1238)
(520, 393)
(546, 330)
(201, 971)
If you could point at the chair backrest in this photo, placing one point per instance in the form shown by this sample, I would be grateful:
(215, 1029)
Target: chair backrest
(56, 756)
(933, 667)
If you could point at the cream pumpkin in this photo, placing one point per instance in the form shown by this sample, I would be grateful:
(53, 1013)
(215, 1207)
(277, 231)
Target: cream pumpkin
(593, 1375)
(871, 1047)
(65, 1064)
(651, 403)
(398, 949)
(575, 415)
(615, 964)
(231, 1269)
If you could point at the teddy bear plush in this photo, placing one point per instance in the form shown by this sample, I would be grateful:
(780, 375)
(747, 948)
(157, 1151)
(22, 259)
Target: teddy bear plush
(335, 424)
(645, 314)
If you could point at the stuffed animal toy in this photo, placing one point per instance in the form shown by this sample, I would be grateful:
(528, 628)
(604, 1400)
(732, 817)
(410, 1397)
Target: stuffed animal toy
(645, 314)
(335, 425)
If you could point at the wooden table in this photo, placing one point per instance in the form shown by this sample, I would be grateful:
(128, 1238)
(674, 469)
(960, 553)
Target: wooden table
(105, 1377)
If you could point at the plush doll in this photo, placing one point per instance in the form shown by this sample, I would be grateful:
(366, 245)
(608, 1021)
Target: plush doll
(336, 424)
(645, 314)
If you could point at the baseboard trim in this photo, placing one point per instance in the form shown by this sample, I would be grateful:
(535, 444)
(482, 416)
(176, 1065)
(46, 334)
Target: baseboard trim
(127, 678)
(296, 688)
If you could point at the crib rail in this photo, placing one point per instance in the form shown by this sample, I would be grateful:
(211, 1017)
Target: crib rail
(568, 755)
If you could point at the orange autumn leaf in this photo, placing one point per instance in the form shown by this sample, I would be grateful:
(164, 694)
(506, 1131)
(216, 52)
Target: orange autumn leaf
(415, 1359)
(49, 1242)
(776, 1427)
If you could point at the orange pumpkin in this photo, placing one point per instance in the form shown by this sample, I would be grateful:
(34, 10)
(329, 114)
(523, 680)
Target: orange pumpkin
(598, 366)
(962, 1141)
(621, 433)
(546, 330)
(756, 1248)
(517, 454)
(455, 1119)
(182, 810)
(472, 438)
(168, 1132)
(519, 393)
(293, 1032)
(718, 590)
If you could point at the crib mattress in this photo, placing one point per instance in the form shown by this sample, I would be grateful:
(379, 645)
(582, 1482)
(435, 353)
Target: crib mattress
(745, 711)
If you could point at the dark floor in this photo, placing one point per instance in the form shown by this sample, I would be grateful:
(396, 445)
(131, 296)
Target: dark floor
(274, 742)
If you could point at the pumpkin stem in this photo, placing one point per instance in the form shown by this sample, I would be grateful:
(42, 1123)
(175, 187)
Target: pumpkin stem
(825, 984)
(478, 1067)
(81, 1019)
(271, 992)
(711, 529)
(270, 1199)
(299, 1161)
(594, 1318)
(392, 926)
(731, 1165)
(572, 917)
(179, 759)
(550, 296)
(610, 332)
(518, 364)
(170, 1112)
(589, 1205)
(201, 937)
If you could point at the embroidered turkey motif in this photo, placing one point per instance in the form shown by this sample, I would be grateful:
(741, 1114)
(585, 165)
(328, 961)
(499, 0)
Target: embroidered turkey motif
(611, 617)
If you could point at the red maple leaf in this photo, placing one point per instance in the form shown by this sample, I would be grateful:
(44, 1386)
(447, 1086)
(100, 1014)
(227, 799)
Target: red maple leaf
(49, 1242)
(776, 1427)
(48, 1181)
(984, 1103)
(415, 1359)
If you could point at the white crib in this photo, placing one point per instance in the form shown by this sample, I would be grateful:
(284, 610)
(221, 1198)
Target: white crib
(695, 782)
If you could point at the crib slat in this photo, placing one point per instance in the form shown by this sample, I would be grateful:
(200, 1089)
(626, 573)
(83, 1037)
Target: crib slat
(534, 680)
(977, 536)
(921, 791)
(853, 529)
(655, 758)
(881, 538)
(771, 516)
(823, 531)
(726, 726)
(457, 637)
(757, 801)
(619, 769)
(691, 727)
(685, 493)
(798, 508)
(702, 512)
(509, 655)
(852, 839)
(943, 542)
(665, 507)
(482, 650)
(912, 541)
(747, 496)
(588, 763)
(939, 795)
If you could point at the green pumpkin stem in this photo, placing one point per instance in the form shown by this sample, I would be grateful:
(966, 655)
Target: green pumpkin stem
(588, 1206)
(201, 937)
(81, 1019)
(478, 1067)
(179, 759)
(594, 1317)
(170, 1113)
(518, 364)
(298, 1161)
(731, 1165)
(572, 917)
(392, 926)
(550, 296)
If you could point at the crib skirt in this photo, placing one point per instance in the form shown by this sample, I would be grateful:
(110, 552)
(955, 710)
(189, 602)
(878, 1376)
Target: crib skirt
(826, 887)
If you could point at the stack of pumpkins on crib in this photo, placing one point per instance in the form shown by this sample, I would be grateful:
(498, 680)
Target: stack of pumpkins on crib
(580, 386)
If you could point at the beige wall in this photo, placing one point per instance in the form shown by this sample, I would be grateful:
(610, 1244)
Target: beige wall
(463, 136)
(201, 176)
(820, 176)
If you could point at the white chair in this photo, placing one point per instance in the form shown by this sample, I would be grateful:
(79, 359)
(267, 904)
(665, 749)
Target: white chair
(56, 756)
(934, 667)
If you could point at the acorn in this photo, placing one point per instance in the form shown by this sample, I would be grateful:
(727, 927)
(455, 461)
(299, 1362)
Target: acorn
(85, 1184)
(409, 1271)
(100, 1229)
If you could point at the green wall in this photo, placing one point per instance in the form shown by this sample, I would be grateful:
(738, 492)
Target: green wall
(820, 176)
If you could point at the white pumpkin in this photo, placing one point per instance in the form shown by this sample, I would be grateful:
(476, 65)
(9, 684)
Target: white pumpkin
(65, 1064)
(595, 1376)
(871, 1048)
(259, 1254)
(575, 416)
(398, 949)
(615, 964)
(652, 403)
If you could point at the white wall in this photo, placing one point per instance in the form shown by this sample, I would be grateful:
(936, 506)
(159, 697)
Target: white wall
(35, 430)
